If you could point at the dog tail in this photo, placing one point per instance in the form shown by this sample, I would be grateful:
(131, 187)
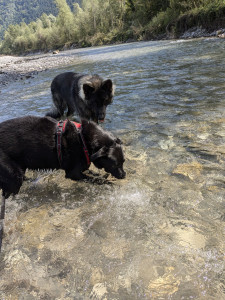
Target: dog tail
(59, 105)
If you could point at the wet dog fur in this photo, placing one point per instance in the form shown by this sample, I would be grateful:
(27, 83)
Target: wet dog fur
(30, 143)
(87, 95)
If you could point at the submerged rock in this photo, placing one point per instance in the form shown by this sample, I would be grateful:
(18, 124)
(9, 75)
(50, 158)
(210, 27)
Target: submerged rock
(192, 170)
(165, 285)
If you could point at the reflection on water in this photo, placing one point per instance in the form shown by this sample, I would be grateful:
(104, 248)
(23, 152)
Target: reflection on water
(159, 233)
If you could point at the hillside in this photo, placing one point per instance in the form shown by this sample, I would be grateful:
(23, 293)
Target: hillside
(16, 11)
(101, 22)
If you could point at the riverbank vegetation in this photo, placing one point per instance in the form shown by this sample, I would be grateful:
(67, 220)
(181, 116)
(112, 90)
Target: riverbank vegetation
(98, 22)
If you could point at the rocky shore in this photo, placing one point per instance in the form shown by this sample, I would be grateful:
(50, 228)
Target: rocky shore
(19, 67)
(198, 32)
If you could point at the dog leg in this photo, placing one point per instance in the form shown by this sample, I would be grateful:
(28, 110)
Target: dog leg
(75, 175)
(70, 112)
(2, 217)
(59, 103)
(71, 107)
(11, 176)
(58, 107)
(53, 114)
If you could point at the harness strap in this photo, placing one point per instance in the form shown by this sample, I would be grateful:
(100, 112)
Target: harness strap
(79, 129)
(60, 130)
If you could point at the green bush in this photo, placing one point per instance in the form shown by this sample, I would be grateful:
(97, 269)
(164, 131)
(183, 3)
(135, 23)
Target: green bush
(161, 23)
(210, 18)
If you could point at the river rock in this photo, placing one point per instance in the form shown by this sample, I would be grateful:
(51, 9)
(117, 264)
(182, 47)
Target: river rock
(99, 291)
(97, 276)
(221, 35)
(191, 170)
(218, 32)
(164, 286)
(115, 250)
(195, 32)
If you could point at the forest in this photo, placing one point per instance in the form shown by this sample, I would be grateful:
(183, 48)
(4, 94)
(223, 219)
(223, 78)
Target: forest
(97, 22)
(15, 11)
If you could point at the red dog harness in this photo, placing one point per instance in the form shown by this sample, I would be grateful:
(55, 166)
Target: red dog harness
(60, 130)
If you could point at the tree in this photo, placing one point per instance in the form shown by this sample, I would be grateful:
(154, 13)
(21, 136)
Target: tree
(64, 21)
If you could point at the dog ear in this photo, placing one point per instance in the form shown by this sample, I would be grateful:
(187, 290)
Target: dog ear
(68, 133)
(88, 90)
(100, 153)
(69, 127)
(108, 85)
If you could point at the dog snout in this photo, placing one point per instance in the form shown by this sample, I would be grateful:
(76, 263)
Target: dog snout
(101, 117)
(123, 174)
(120, 174)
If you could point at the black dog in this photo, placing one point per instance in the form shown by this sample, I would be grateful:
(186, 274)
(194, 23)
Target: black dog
(42, 143)
(88, 95)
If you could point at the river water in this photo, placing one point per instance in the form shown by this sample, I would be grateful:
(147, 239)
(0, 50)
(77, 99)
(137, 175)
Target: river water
(159, 233)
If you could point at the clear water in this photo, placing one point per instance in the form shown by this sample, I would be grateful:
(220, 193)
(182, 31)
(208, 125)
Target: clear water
(158, 234)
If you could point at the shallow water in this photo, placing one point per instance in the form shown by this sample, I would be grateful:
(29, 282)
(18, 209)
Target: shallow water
(159, 233)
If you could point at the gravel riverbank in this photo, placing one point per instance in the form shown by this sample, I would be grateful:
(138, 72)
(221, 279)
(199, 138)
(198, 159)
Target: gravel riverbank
(19, 67)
